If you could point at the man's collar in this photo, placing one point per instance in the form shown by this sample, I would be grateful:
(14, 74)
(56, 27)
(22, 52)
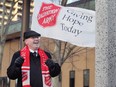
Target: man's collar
(32, 51)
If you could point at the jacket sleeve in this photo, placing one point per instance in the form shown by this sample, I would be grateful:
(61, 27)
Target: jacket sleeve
(13, 72)
(56, 69)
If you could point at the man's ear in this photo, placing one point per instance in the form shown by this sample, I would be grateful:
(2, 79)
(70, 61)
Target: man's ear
(25, 41)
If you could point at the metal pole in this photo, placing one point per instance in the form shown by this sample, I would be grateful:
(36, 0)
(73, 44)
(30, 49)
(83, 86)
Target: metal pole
(25, 19)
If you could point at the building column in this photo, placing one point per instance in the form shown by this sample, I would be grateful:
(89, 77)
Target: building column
(105, 62)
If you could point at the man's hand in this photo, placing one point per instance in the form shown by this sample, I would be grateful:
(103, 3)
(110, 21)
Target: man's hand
(50, 63)
(19, 61)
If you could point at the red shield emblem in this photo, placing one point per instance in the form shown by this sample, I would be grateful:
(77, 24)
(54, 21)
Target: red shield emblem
(47, 15)
(48, 80)
(24, 76)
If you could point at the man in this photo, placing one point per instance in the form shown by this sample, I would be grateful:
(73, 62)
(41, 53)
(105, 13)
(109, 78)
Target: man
(32, 66)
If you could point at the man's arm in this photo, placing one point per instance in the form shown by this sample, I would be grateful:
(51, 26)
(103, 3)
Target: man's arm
(54, 68)
(14, 70)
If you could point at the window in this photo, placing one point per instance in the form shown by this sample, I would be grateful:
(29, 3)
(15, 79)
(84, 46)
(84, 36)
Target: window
(86, 77)
(72, 78)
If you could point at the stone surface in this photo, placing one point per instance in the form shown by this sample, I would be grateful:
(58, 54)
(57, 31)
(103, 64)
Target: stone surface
(105, 64)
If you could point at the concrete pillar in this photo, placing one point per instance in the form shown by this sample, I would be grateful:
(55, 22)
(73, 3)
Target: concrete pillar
(105, 64)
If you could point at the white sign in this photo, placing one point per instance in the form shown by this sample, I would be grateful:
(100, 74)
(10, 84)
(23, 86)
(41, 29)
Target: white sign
(73, 25)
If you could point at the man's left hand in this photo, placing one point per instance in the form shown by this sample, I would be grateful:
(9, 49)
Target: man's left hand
(50, 63)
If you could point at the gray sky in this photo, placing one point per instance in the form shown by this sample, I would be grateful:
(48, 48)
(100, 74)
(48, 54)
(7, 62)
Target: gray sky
(69, 1)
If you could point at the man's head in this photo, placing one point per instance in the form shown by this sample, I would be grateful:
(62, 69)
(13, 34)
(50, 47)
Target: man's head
(32, 39)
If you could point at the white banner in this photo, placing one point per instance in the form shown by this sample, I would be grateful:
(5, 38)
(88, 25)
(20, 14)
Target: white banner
(73, 25)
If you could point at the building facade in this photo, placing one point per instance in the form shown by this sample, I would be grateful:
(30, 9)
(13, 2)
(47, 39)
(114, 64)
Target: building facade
(77, 71)
(17, 10)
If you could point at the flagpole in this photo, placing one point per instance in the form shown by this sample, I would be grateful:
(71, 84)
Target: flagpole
(25, 19)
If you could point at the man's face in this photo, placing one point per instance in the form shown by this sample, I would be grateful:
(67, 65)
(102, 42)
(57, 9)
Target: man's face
(33, 42)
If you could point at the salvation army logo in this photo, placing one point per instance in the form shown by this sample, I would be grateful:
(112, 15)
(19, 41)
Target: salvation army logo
(24, 76)
(48, 14)
(48, 80)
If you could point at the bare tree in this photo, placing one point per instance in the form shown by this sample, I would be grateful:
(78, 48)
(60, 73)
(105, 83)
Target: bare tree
(61, 51)
(5, 24)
